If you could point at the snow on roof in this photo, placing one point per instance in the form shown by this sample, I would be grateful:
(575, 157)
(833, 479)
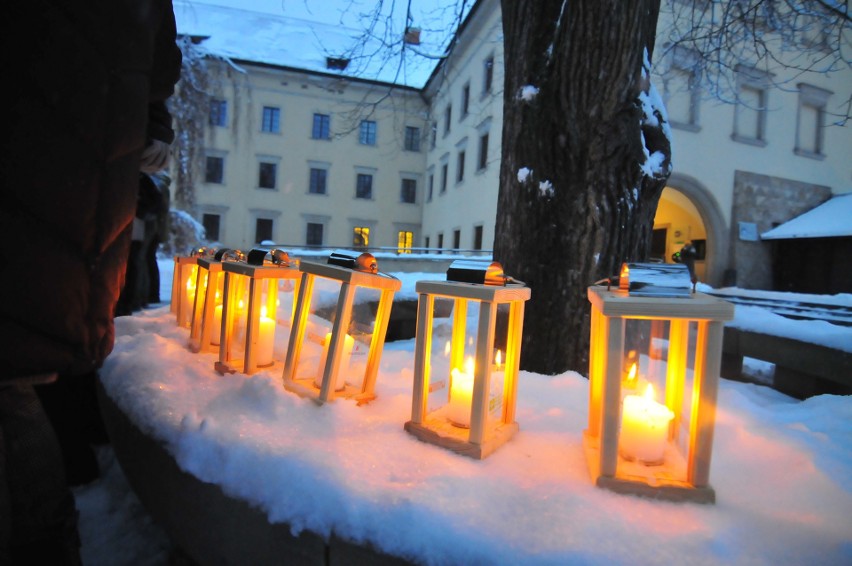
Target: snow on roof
(831, 219)
(301, 43)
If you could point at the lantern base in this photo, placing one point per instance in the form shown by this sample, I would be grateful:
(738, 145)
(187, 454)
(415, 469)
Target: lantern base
(306, 388)
(656, 482)
(441, 432)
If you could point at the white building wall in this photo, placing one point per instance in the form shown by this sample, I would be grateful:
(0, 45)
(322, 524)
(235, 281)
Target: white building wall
(290, 205)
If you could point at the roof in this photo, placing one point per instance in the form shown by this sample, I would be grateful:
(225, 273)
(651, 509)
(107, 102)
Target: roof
(291, 42)
(831, 219)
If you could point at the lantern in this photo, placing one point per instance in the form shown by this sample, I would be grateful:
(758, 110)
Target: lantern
(184, 280)
(250, 324)
(204, 333)
(339, 328)
(465, 375)
(654, 365)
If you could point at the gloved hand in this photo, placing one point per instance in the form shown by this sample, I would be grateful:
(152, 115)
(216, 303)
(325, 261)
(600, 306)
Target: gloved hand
(155, 157)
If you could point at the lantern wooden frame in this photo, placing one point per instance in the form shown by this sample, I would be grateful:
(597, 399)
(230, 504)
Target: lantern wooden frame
(350, 280)
(611, 309)
(210, 279)
(255, 274)
(480, 440)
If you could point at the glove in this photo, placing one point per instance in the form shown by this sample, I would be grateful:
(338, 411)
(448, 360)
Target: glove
(155, 157)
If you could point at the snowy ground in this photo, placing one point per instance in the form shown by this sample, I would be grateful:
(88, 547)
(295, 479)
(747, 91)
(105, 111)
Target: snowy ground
(780, 470)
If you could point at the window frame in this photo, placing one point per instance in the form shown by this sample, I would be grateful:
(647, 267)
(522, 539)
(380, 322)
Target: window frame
(368, 133)
(321, 126)
(270, 122)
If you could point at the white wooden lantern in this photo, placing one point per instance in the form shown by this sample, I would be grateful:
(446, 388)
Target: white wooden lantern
(465, 382)
(257, 309)
(339, 328)
(184, 280)
(672, 336)
(205, 331)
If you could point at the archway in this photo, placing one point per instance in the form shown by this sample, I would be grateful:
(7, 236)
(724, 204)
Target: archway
(688, 212)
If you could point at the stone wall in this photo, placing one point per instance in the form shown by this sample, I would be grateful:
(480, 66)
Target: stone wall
(760, 203)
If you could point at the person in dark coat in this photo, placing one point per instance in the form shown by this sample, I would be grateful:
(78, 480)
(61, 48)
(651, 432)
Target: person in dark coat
(86, 86)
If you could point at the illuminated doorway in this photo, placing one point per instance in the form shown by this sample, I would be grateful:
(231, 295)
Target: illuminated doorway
(677, 223)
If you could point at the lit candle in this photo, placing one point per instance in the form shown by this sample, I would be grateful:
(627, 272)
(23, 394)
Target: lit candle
(266, 339)
(644, 428)
(340, 382)
(461, 395)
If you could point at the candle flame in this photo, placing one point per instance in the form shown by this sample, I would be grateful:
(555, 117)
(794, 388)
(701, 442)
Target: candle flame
(498, 358)
(649, 392)
(631, 376)
(447, 349)
(263, 311)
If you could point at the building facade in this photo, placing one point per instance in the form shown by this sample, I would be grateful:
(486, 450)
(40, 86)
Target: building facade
(307, 170)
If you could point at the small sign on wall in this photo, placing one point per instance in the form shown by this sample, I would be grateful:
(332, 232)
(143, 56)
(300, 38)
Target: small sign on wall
(748, 232)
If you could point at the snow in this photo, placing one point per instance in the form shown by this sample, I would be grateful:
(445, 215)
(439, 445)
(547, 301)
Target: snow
(523, 174)
(290, 34)
(528, 93)
(812, 331)
(780, 469)
(831, 219)
(546, 188)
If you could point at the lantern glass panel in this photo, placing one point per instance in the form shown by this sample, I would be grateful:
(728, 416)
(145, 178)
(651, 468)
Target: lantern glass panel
(452, 362)
(186, 280)
(656, 394)
(359, 332)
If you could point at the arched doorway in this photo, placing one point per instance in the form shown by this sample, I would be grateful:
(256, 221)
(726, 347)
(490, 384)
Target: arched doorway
(687, 212)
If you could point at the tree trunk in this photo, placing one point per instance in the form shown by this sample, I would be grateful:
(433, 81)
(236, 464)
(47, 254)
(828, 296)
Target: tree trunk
(586, 206)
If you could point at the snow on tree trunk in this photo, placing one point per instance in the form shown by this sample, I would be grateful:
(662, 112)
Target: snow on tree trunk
(578, 191)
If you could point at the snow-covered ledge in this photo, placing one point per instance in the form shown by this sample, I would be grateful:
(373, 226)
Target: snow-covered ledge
(244, 471)
(208, 525)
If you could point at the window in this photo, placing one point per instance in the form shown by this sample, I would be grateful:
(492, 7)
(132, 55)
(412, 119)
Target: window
(211, 224)
(434, 138)
(431, 186)
(456, 239)
(444, 170)
(448, 118)
(313, 234)
(262, 230)
(482, 157)
(750, 111)
(361, 237)
(477, 237)
(412, 138)
(460, 167)
(440, 241)
(266, 175)
(214, 171)
(682, 92)
(810, 121)
(322, 127)
(367, 135)
(408, 191)
(426, 242)
(465, 102)
(319, 178)
(219, 113)
(488, 75)
(271, 119)
(404, 241)
(364, 186)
